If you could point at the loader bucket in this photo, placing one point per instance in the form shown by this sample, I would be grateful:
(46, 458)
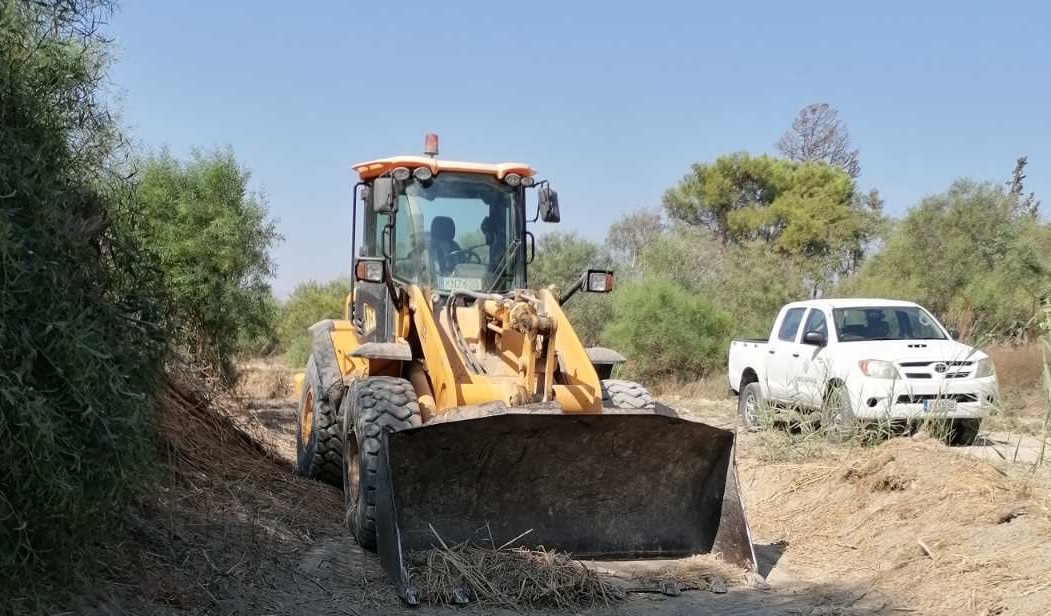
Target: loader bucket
(619, 485)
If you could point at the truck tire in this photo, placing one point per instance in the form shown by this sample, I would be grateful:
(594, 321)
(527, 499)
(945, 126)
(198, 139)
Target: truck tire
(749, 404)
(837, 415)
(372, 406)
(319, 448)
(963, 432)
(625, 395)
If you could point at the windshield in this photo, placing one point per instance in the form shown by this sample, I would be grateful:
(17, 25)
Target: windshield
(885, 323)
(458, 231)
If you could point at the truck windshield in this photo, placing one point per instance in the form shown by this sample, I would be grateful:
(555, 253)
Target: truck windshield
(885, 323)
(458, 231)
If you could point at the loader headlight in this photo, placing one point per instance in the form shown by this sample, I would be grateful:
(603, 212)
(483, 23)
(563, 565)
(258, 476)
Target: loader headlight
(878, 369)
(983, 368)
(528, 181)
(599, 282)
(513, 179)
(370, 269)
(401, 173)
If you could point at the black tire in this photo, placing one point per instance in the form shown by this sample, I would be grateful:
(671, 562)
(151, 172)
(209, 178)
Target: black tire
(963, 432)
(625, 395)
(749, 405)
(372, 406)
(319, 448)
(837, 415)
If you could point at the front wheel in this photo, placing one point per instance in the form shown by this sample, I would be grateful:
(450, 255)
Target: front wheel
(963, 432)
(837, 416)
(373, 406)
(319, 449)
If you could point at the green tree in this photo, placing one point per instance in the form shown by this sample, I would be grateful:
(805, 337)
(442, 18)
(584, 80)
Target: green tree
(309, 303)
(560, 260)
(976, 254)
(808, 211)
(213, 239)
(667, 331)
(82, 309)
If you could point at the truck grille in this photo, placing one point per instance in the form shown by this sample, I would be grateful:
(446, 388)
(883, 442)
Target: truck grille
(929, 369)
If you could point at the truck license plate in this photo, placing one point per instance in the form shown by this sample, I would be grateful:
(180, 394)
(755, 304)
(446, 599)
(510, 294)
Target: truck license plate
(939, 406)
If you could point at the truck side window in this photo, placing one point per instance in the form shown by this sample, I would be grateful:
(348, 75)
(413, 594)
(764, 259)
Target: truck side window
(790, 324)
(815, 322)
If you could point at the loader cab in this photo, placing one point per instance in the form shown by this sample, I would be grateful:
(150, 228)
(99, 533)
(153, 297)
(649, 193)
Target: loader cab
(452, 231)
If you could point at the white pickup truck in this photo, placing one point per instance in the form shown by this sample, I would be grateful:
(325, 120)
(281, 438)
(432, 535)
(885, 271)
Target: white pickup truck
(863, 361)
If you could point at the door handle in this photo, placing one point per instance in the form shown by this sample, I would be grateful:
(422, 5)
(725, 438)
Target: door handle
(771, 351)
(795, 354)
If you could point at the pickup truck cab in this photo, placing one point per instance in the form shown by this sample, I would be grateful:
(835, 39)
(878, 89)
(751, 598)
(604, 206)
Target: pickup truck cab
(858, 361)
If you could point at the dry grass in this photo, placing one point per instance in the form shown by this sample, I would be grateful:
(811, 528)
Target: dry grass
(264, 379)
(509, 577)
(714, 387)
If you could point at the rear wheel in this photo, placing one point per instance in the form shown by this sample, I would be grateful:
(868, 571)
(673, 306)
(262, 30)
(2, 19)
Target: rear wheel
(749, 403)
(319, 449)
(625, 395)
(963, 432)
(373, 406)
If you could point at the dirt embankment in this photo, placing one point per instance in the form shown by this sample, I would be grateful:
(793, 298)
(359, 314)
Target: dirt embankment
(909, 526)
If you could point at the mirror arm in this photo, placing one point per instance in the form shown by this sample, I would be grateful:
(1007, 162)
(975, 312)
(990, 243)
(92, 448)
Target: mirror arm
(572, 289)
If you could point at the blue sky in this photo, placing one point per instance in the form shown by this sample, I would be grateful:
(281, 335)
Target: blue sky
(611, 102)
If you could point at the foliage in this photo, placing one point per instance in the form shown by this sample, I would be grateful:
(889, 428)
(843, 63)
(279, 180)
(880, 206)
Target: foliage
(628, 236)
(82, 306)
(808, 211)
(977, 255)
(309, 303)
(667, 331)
(818, 135)
(214, 242)
(561, 259)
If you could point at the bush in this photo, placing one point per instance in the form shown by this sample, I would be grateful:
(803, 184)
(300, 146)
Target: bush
(81, 306)
(667, 331)
(309, 303)
(213, 239)
(561, 258)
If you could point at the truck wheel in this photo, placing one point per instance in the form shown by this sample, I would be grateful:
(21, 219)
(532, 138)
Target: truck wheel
(319, 449)
(625, 395)
(749, 406)
(963, 432)
(372, 406)
(837, 416)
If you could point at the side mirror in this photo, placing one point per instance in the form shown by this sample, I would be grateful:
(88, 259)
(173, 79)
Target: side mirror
(548, 204)
(370, 269)
(954, 333)
(815, 338)
(383, 195)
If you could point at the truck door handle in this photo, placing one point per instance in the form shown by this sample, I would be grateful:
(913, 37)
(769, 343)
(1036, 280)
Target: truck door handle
(795, 354)
(771, 351)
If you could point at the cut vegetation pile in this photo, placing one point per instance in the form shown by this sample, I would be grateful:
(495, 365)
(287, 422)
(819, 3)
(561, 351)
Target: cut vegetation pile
(933, 530)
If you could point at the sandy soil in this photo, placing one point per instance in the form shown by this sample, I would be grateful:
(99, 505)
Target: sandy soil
(908, 526)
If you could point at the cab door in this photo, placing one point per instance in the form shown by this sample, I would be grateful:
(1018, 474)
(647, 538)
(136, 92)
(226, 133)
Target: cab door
(813, 366)
(783, 354)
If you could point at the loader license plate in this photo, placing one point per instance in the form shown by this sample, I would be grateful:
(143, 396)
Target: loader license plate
(451, 283)
(939, 406)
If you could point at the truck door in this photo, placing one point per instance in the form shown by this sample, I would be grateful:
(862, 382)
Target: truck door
(780, 363)
(812, 369)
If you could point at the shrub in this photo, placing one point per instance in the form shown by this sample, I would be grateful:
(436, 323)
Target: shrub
(81, 305)
(309, 303)
(667, 331)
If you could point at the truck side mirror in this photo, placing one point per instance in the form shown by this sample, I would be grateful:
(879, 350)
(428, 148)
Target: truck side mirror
(954, 333)
(383, 195)
(548, 204)
(815, 338)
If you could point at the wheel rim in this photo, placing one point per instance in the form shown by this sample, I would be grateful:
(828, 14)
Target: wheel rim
(306, 418)
(751, 409)
(351, 472)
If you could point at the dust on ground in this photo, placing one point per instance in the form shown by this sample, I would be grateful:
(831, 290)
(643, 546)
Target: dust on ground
(908, 526)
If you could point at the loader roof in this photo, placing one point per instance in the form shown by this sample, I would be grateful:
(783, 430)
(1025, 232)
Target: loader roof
(373, 168)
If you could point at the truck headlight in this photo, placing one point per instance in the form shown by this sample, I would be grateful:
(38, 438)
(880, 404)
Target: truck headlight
(983, 368)
(878, 369)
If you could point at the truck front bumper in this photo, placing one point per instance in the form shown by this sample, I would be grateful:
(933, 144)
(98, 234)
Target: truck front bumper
(876, 399)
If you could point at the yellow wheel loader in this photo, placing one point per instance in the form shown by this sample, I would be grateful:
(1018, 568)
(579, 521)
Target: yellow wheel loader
(454, 400)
